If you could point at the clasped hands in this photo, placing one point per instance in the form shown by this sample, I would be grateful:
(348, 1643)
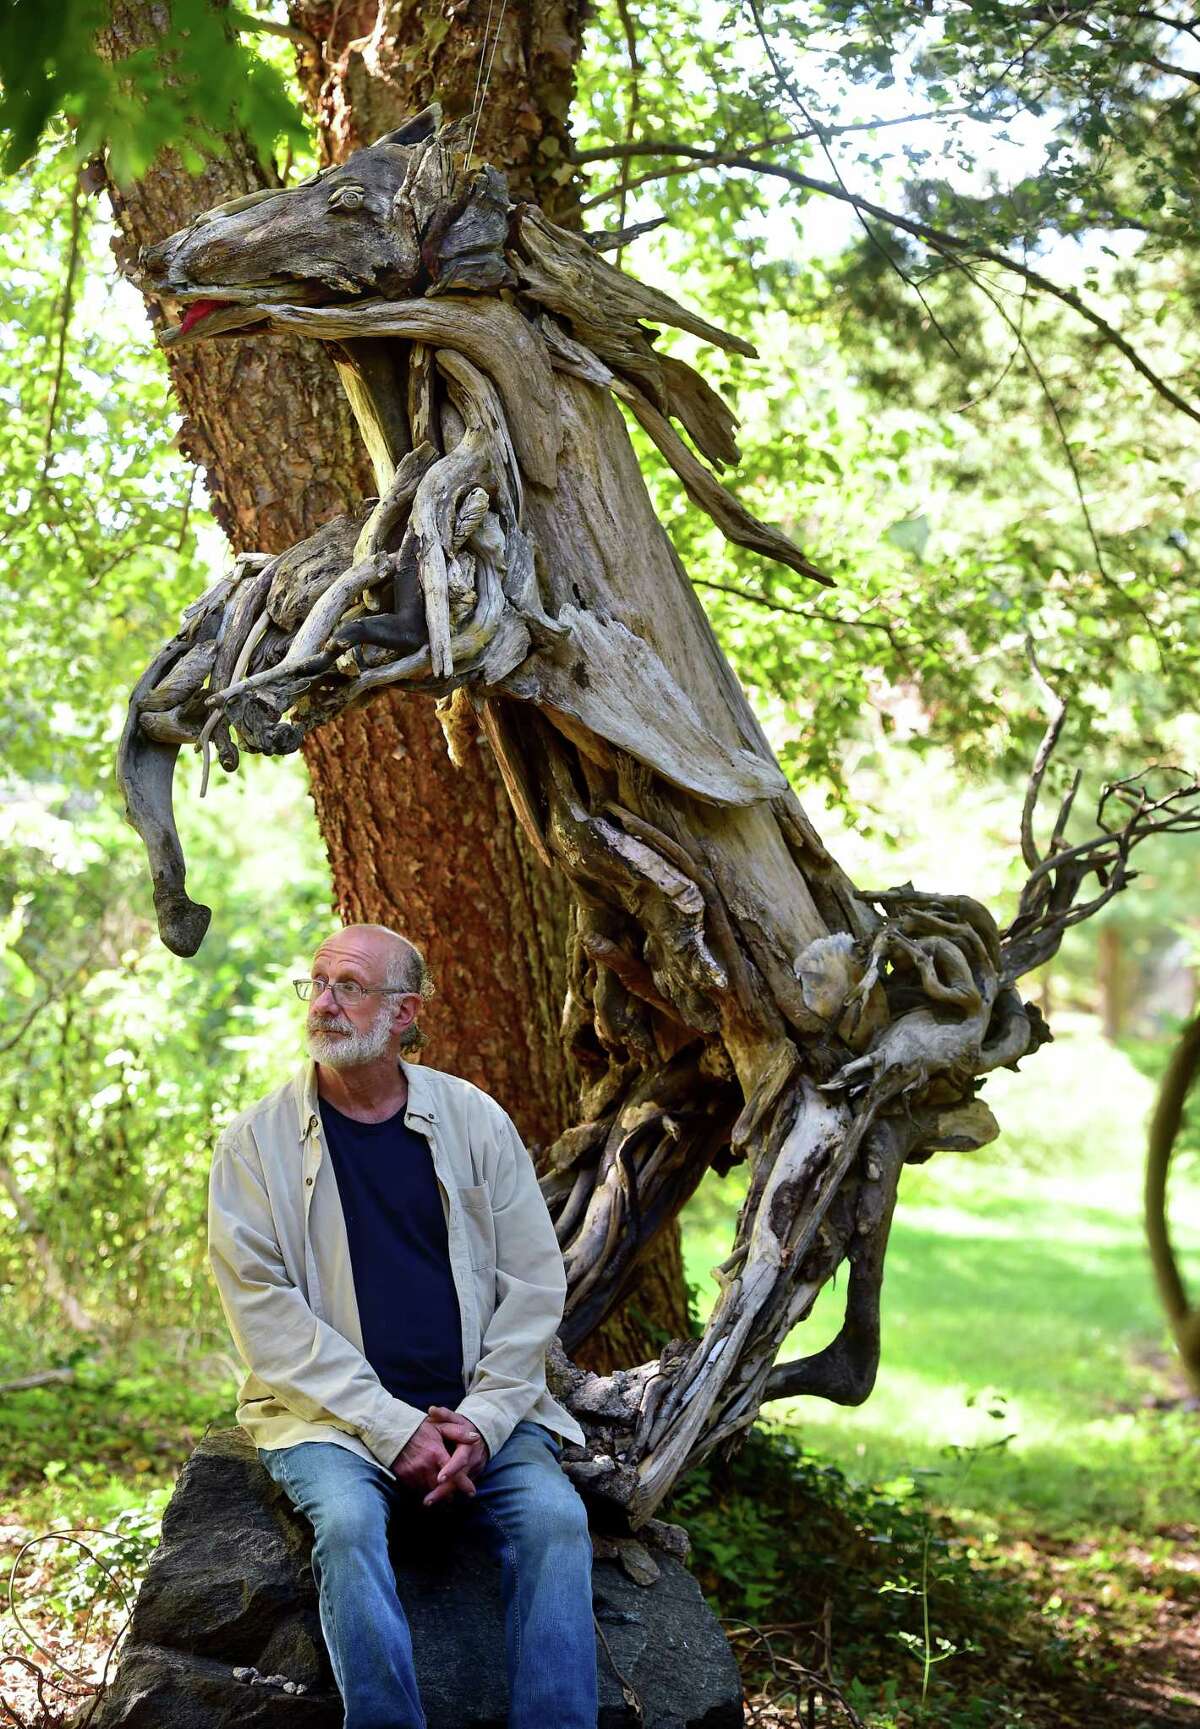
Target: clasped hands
(442, 1457)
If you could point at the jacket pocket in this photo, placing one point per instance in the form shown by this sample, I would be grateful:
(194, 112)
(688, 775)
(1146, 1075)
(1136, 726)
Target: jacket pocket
(476, 1204)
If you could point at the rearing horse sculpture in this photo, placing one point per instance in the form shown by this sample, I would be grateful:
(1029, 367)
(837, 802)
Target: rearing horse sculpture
(732, 995)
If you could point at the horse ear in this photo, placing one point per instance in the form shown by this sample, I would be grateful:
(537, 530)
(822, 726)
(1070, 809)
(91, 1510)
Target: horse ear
(470, 252)
(416, 130)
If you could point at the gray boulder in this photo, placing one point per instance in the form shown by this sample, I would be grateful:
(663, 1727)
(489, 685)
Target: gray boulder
(225, 1632)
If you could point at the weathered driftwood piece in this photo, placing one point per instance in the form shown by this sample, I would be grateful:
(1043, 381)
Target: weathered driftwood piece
(732, 996)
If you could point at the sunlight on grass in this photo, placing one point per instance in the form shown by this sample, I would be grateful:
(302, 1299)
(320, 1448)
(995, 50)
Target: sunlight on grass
(1019, 1315)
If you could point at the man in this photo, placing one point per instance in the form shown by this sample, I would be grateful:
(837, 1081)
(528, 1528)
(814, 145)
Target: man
(391, 1278)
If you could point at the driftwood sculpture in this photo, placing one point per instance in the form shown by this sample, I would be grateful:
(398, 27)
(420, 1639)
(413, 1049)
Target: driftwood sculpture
(733, 996)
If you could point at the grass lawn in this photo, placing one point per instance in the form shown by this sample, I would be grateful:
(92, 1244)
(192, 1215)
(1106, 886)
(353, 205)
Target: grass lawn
(1018, 1308)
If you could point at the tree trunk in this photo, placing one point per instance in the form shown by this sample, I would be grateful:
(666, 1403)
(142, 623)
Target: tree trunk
(379, 63)
(491, 916)
(1182, 1313)
(1110, 974)
(412, 840)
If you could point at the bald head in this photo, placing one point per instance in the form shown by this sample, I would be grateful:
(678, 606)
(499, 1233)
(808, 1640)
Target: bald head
(389, 958)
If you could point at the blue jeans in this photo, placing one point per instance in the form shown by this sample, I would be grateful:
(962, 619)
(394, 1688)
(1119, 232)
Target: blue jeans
(534, 1522)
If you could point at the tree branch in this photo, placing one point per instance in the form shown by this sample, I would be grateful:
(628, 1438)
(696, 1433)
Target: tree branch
(676, 146)
(1099, 34)
(788, 86)
(249, 23)
(633, 109)
(1164, 1130)
(1047, 907)
(1106, 577)
(861, 623)
(1179, 24)
(1045, 750)
(66, 304)
(943, 242)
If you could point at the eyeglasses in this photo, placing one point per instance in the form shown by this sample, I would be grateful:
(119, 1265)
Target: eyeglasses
(344, 991)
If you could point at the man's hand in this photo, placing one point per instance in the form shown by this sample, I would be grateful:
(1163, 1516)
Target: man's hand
(422, 1457)
(469, 1457)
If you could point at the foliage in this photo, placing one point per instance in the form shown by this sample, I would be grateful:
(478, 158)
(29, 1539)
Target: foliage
(194, 83)
(94, 500)
(85, 1475)
(963, 448)
(130, 1413)
(843, 1578)
(937, 461)
(117, 1063)
(125, 1062)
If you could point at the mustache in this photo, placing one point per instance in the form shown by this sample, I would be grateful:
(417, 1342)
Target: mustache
(321, 1022)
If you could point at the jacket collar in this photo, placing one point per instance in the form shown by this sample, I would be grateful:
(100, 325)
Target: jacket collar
(420, 1092)
(420, 1095)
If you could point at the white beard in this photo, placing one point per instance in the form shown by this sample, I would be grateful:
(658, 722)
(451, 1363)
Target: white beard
(350, 1047)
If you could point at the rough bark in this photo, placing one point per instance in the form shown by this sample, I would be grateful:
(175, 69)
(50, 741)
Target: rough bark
(377, 63)
(289, 458)
(494, 919)
(496, 935)
(269, 424)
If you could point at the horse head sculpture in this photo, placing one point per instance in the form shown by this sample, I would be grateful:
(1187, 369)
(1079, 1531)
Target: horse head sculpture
(396, 257)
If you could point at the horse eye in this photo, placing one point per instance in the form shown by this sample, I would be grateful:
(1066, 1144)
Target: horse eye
(346, 198)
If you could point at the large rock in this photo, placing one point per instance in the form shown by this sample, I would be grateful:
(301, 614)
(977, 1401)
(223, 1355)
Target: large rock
(229, 1600)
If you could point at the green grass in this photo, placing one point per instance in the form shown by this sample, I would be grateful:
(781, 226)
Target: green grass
(1017, 1303)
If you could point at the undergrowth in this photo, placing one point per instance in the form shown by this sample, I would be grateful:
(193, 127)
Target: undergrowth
(873, 1591)
(122, 1426)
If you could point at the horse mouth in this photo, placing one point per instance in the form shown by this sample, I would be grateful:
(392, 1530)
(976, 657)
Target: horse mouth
(209, 315)
(206, 314)
(198, 310)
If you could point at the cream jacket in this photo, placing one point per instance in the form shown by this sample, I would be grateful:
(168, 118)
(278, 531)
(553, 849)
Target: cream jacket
(281, 1259)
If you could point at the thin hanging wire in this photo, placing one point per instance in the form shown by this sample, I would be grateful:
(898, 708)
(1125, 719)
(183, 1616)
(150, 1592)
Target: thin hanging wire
(481, 95)
(482, 57)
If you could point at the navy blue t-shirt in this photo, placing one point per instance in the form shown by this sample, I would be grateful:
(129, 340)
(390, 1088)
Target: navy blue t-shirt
(399, 1257)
